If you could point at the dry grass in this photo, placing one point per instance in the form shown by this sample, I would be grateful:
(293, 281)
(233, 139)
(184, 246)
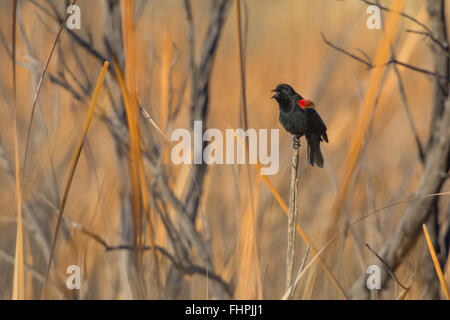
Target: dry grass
(371, 160)
(18, 278)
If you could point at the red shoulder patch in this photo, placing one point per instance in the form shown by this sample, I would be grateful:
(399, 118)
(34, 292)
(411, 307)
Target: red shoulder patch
(306, 103)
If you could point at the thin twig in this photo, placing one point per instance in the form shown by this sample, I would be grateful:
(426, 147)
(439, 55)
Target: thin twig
(49, 57)
(408, 114)
(368, 64)
(388, 269)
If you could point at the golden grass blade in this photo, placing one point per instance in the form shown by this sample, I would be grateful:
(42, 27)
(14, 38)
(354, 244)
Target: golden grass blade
(128, 87)
(18, 292)
(165, 74)
(382, 55)
(18, 282)
(237, 5)
(73, 167)
(437, 266)
(33, 108)
(139, 194)
(14, 17)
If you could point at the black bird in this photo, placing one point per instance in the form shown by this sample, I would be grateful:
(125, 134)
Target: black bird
(299, 118)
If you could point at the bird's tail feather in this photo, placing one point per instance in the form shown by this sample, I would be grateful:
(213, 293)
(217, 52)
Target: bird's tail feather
(315, 157)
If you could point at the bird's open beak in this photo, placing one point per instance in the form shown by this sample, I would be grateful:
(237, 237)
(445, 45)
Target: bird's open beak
(275, 95)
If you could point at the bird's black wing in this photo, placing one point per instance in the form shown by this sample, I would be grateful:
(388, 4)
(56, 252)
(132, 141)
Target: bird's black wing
(317, 124)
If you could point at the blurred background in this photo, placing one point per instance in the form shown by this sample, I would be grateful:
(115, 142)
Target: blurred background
(224, 236)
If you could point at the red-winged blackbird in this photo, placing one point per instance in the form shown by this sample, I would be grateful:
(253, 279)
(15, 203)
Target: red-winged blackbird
(299, 118)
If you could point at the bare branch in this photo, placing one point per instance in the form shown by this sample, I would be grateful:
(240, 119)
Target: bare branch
(367, 63)
(429, 33)
(391, 61)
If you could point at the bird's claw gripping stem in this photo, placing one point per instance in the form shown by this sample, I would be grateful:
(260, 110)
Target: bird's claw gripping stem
(296, 142)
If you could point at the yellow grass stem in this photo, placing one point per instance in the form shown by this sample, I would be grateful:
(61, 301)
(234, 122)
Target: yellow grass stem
(18, 292)
(73, 167)
(437, 266)
(139, 195)
(129, 92)
(241, 62)
(165, 73)
(18, 278)
(244, 120)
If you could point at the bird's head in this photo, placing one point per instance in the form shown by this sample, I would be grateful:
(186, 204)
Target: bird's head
(283, 92)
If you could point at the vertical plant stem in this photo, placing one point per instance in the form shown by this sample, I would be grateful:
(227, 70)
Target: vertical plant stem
(244, 122)
(18, 277)
(292, 215)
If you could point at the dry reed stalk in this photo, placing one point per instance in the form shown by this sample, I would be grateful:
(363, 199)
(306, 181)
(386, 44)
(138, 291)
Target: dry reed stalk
(139, 194)
(73, 167)
(18, 292)
(165, 73)
(128, 86)
(18, 280)
(244, 121)
(241, 63)
(437, 265)
(353, 156)
(299, 229)
(292, 215)
(302, 233)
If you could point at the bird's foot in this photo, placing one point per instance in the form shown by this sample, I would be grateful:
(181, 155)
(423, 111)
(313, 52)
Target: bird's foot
(296, 142)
